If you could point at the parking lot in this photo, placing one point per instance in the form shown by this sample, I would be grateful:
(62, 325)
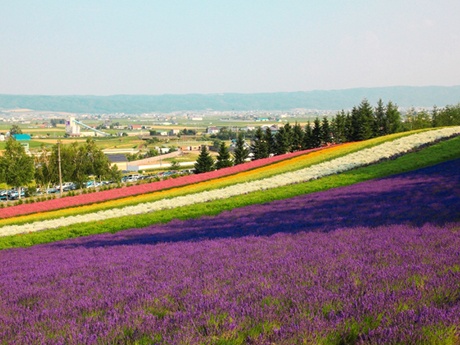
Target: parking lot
(13, 194)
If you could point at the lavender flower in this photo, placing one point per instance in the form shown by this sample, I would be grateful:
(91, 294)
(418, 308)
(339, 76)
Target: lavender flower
(377, 262)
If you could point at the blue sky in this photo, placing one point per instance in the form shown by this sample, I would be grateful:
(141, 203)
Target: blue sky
(107, 47)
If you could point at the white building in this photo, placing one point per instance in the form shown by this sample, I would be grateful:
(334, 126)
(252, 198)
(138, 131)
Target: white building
(71, 128)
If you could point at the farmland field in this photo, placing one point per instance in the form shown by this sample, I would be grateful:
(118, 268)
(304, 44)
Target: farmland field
(373, 262)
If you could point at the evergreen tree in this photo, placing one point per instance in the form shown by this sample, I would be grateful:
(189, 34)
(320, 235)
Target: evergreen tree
(362, 119)
(241, 153)
(297, 137)
(367, 118)
(381, 123)
(288, 133)
(259, 146)
(326, 137)
(393, 117)
(270, 140)
(223, 157)
(339, 127)
(308, 137)
(349, 127)
(356, 124)
(316, 133)
(282, 141)
(16, 167)
(205, 162)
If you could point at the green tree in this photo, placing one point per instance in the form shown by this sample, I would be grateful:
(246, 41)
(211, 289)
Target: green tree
(366, 113)
(362, 120)
(449, 116)
(316, 134)
(297, 137)
(307, 137)
(288, 132)
(259, 146)
(224, 159)
(282, 141)
(226, 133)
(73, 164)
(380, 123)
(339, 127)
(326, 137)
(15, 129)
(205, 162)
(393, 118)
(17, 168)
(417, 119)
(97, 163)
(175, 165)
(114, 174)
(151, 153)
(241, 153)
(270, 140)
(78, 162)
(349, 127)
(42, 167)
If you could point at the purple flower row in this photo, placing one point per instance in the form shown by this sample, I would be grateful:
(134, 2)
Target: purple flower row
(377, 262)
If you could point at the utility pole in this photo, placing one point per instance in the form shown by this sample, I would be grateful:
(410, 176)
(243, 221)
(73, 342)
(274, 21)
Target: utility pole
(59, 164)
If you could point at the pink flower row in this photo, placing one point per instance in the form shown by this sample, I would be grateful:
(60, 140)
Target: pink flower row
(85, 199)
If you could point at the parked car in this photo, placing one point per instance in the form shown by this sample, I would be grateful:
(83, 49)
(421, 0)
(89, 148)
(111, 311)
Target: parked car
(3, 194)
(131, 178)
(51, 190)
(68, 186)
(92, 184)
(13, 194)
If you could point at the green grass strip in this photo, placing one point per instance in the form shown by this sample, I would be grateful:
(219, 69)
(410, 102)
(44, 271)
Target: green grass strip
(437, 153)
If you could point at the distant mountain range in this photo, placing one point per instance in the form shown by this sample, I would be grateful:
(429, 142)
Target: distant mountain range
(403, 96)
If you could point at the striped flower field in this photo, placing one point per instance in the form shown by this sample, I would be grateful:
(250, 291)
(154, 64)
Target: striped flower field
(353, 160)
(102, 196)
(374, 262)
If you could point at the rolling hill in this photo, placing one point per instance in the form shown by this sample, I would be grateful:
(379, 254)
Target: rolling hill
(403, 96)
(368, 255)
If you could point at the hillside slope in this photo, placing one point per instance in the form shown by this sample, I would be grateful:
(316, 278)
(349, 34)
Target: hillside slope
(375, 262)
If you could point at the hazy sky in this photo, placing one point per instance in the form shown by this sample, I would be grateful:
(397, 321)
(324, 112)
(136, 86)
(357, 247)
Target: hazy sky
(105, 47)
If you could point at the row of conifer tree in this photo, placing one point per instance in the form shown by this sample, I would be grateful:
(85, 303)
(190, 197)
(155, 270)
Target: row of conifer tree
(361, 123)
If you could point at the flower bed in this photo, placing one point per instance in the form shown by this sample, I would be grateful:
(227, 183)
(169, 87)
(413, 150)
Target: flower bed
(268, 163)
(293, 163)
(117, 193)
(375, 262)
(360, 158)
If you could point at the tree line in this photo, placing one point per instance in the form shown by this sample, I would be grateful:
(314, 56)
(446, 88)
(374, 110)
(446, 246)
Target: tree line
(78, 163)
(448, 116)
(361, 123)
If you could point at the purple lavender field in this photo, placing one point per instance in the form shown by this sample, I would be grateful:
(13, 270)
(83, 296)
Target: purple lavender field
(373, 263)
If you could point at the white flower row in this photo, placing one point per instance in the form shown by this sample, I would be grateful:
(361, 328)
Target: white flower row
(334, 166)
